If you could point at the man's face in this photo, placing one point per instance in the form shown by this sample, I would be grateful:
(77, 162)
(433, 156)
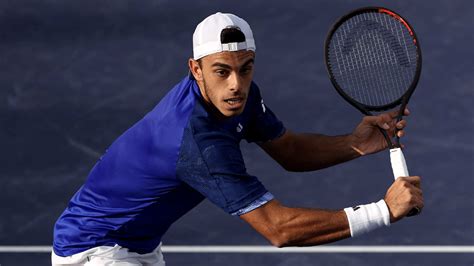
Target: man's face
(224, 80)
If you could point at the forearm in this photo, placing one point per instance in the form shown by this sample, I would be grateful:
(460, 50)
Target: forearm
(309, 227)
(315, 151)
(309, 152)
(302, 227)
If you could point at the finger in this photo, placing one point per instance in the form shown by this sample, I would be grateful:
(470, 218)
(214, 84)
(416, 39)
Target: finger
(414, 180)
(406, 112)
(401, 124)
(383, 121)
(418, 203)
(416, 191)
(410, 180)
(377, 121)
(393, 114)
(400, 133)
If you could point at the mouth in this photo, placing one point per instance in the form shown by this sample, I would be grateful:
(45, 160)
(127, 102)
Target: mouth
(235, 102)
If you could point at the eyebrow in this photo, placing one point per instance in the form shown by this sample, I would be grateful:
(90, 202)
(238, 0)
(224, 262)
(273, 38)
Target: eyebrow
(217, 64)
(248, 62)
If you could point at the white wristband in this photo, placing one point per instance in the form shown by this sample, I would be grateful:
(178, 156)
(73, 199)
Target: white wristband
(365, 218)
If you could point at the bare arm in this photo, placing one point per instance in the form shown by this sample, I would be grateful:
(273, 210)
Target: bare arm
(308, 152)
(284, 226)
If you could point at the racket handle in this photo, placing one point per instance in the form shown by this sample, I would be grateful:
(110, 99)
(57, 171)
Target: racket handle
(399, 168)
(399, 165)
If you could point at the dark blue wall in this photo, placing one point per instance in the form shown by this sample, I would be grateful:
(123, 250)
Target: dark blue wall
(75, 74)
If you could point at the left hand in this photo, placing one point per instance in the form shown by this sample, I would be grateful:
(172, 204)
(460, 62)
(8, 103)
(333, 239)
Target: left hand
(367, 138)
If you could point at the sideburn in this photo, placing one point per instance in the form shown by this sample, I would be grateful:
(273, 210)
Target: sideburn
(208, 104)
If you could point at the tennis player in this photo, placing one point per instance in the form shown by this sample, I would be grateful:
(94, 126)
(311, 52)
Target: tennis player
(187, 149)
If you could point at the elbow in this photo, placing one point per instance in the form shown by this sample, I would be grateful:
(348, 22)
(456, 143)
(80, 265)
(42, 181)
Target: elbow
(280, 239)
(279, 243)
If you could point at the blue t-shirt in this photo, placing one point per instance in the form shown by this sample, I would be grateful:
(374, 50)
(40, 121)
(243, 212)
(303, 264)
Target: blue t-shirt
(164, 166)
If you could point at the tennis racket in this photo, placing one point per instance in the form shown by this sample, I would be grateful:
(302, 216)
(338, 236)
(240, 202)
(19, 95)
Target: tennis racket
(373, 58)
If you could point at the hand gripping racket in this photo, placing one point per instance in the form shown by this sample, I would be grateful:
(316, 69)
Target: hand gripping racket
(373, 58)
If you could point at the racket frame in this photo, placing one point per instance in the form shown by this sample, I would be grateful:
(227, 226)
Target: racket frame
(367, 109)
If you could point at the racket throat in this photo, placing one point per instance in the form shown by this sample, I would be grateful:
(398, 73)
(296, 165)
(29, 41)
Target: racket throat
(390, 143)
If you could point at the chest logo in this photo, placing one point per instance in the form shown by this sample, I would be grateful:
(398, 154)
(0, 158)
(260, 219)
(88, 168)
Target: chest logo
(239, 127)
(263, 106)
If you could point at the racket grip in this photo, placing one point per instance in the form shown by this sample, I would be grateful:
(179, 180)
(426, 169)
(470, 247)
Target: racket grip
(399, 165)
(399, 168)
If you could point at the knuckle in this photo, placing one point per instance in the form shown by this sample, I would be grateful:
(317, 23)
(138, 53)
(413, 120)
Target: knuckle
(401, 179)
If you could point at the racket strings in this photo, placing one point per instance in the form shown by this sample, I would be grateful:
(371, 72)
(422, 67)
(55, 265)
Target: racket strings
(373, 58)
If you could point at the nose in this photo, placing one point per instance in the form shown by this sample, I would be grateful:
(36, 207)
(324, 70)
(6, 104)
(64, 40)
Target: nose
(235, 83)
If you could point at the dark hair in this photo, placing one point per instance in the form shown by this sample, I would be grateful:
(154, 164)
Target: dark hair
(232, 34)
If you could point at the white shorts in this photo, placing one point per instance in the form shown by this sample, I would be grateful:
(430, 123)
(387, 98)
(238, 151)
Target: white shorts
(115, 255)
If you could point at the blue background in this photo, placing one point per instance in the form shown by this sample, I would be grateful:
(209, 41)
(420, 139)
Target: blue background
(75, 74)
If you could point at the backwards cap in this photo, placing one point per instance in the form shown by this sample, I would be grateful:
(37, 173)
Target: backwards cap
(208, 38)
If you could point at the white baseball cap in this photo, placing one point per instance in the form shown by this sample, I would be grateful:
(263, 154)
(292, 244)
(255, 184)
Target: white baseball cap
(207, 36)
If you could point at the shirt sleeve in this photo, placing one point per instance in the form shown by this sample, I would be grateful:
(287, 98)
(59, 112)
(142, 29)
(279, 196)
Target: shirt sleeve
(210, 161)
(264, 125)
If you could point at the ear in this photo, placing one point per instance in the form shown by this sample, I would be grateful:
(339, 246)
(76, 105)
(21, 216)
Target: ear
(195, 69)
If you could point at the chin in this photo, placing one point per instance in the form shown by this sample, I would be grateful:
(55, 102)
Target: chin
(232, 113)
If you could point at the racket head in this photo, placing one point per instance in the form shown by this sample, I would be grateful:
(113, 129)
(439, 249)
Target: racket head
(373, 58)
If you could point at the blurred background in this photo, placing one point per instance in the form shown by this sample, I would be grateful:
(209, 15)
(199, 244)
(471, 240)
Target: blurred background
(74, 75)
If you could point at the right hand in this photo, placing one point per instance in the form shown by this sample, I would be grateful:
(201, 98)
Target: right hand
(404, 195)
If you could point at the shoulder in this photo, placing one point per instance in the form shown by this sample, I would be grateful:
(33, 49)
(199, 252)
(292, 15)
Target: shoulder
(177, 104)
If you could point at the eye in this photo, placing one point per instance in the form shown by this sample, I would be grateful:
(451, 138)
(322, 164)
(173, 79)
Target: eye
(222, 72)
(246, 70)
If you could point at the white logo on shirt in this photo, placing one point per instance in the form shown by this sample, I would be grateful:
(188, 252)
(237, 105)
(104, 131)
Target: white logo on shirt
(263, 106)
(239, 127)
